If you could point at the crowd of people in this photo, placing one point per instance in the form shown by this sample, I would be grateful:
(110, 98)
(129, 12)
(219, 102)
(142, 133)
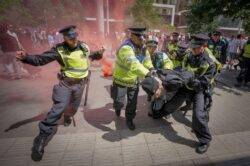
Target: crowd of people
(229, 49)
(14, 38)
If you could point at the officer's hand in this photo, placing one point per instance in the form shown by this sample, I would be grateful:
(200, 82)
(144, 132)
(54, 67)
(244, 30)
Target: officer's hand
(21, 55)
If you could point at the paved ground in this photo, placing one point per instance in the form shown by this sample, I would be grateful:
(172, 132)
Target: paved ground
(102, 139)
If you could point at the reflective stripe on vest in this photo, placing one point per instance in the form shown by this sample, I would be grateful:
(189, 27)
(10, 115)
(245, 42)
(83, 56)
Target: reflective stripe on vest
(197, 71)
(75, 63)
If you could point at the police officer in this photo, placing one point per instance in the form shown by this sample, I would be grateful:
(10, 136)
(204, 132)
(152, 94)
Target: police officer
(159, 59)
(218, 47)
(244, 75)
(73, 57)
(172, 47)
(199, 63)
(181, 53)
(132, 61)
(203, 38)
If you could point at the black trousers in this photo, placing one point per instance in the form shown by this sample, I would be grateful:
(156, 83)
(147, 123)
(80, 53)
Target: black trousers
(245, 71)
(119, 93)
(64, 95)
(200, 114)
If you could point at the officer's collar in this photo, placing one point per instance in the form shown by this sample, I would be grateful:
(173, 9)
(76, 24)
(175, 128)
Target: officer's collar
(70, 48)
(199, 56)
(135, 45)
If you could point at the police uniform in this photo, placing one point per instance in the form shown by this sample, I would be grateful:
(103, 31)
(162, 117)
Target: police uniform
(218, 48)
(160, 60)
(132, 62)
(244, 75)
(171, 50)
(203, 68)
(69, 90)
(204, 38)
(200, 37)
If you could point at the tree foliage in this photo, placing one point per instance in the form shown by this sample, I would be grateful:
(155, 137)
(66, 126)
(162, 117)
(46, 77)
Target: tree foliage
(40, 12)
(145, 14)
(204, 13)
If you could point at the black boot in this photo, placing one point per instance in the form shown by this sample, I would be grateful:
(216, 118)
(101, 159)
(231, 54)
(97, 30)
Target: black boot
(67, 121)
(202, 148)
(130, 124)
(38, 147)
(118, 113)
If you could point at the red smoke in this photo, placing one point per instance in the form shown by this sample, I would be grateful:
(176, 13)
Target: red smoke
(107, 67)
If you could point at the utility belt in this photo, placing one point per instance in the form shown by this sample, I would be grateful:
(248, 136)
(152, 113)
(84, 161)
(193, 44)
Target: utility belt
(71, 81)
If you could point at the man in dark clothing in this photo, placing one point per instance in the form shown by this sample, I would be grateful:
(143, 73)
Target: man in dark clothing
(10, 44)
(244, 75)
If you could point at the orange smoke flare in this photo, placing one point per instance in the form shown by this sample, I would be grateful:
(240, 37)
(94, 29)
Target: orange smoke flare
(107, 67)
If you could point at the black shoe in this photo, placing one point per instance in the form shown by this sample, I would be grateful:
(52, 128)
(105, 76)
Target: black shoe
(202, 148)
(130, 124)
(118, 113)
(67, 121)
(38, 148)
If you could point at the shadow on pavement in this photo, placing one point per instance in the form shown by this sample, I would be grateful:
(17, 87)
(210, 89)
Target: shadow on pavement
(179, 117)
(26, 121)
(226, 82)
(105, 115)
(39, 117)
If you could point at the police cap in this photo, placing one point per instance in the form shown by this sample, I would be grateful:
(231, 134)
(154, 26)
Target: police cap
(69, 31)
(196, 43)
(175, 34)
(217, 33)
(200, 36)
(137, 30)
